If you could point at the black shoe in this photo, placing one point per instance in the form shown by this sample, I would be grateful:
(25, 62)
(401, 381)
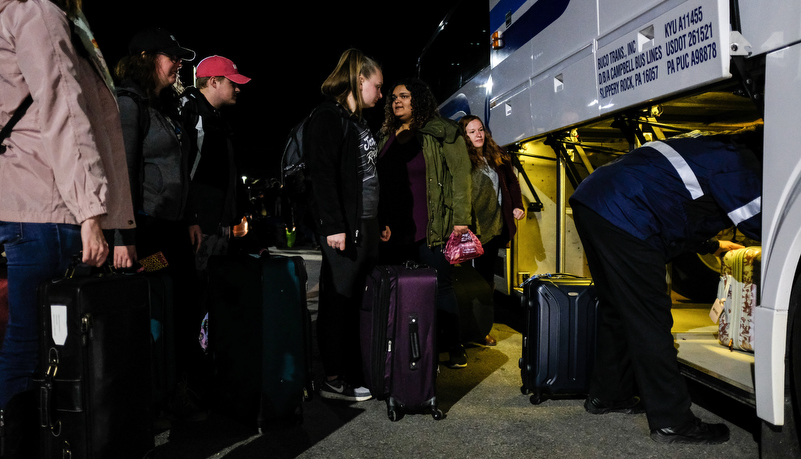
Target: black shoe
(693, 432)
(457, 358)
(631, 406)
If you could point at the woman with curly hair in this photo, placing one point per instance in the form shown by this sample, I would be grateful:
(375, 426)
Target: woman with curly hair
(496, 198)
(424, 173)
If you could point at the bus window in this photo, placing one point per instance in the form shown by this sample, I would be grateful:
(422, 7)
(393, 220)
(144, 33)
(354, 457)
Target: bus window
(459, 51)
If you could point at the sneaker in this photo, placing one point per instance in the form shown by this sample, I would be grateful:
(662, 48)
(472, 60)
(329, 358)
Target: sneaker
(458, 358)
(694, 432)
(341, 390)
(630, 406)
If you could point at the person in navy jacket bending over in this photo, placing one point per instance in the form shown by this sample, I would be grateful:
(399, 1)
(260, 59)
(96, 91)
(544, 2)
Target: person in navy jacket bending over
(633, 216)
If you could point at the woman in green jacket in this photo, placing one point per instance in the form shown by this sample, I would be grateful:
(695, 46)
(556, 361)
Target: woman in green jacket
(425, 193)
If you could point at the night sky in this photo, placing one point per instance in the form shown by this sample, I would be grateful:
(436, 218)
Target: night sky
(287, 51)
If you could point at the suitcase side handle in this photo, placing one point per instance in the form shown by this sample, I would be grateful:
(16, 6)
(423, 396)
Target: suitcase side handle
(45, 395)
(414, 342)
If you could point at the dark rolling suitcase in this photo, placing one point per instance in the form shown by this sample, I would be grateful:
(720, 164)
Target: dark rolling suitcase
(259, 337)
(559, 338)
(95, 395)
(398, 338)
(162, 339)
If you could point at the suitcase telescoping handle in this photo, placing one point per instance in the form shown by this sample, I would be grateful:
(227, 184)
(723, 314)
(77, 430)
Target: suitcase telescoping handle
(410, 264)
(414, 342)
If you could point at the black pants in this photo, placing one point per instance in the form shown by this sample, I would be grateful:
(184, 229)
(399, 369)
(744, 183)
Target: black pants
(485, 264)
(635, 347)
(342, 280)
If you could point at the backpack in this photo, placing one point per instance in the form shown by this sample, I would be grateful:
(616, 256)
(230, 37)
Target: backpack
(294, 176)
(295, 180)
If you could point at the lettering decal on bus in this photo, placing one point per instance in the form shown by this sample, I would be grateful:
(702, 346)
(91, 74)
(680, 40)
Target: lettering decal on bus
(683, 42)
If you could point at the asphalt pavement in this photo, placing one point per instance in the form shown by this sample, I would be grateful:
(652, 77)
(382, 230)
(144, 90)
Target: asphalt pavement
(487, 416)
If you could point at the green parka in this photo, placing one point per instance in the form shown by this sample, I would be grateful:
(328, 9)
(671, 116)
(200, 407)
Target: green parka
(448, 180)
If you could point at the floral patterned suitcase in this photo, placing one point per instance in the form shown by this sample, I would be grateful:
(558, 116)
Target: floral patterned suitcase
(738, 286)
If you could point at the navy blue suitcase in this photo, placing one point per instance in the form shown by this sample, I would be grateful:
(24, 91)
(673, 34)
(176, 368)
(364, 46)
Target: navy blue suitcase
(559, 336)
(399, 338)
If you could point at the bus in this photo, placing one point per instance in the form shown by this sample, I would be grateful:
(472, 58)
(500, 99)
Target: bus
(568, 85)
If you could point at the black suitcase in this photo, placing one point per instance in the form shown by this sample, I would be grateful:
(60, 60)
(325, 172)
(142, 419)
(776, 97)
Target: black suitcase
(260, 338)
(559, 338)
(95, 393)
(162, 340)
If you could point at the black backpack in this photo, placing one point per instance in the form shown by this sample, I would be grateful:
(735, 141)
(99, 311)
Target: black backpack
(294, 176)
(295, 180)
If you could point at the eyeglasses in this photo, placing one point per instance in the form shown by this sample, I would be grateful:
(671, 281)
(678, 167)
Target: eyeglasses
(173, 59)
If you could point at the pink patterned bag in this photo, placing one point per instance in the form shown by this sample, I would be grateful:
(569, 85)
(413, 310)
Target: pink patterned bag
(461, 248)
(738, 292)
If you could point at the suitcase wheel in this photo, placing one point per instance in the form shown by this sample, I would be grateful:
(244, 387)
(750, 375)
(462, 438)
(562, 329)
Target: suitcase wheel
(394, 415)
(437, 414)
(536, 398)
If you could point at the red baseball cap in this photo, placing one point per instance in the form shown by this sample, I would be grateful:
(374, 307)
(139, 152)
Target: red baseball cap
(220, 66)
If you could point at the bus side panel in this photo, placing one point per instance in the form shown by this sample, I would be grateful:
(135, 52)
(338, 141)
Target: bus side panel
(770, 24)
(564, 95)
(653, 57)
(543, 33)
(558, 97)
(614, 13)
(781, 226)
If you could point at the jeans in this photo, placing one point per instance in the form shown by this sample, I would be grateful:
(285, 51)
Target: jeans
(36, 252)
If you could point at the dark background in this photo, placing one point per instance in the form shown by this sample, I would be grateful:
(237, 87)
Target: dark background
(287, 48)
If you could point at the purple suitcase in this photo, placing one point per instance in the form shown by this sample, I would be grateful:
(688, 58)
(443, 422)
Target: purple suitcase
(399, 339)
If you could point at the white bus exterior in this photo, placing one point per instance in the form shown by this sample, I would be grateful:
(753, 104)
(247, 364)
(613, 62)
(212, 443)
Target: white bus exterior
(559, 65)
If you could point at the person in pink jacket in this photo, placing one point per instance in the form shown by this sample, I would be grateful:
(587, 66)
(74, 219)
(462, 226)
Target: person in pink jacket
(63, 177)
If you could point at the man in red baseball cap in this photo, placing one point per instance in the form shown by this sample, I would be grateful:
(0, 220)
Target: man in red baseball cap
(210, 207)
(211, 74)
(220, 66)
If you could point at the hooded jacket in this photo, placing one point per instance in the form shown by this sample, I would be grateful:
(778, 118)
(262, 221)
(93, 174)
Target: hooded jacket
(65, 160)
(448, 180)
